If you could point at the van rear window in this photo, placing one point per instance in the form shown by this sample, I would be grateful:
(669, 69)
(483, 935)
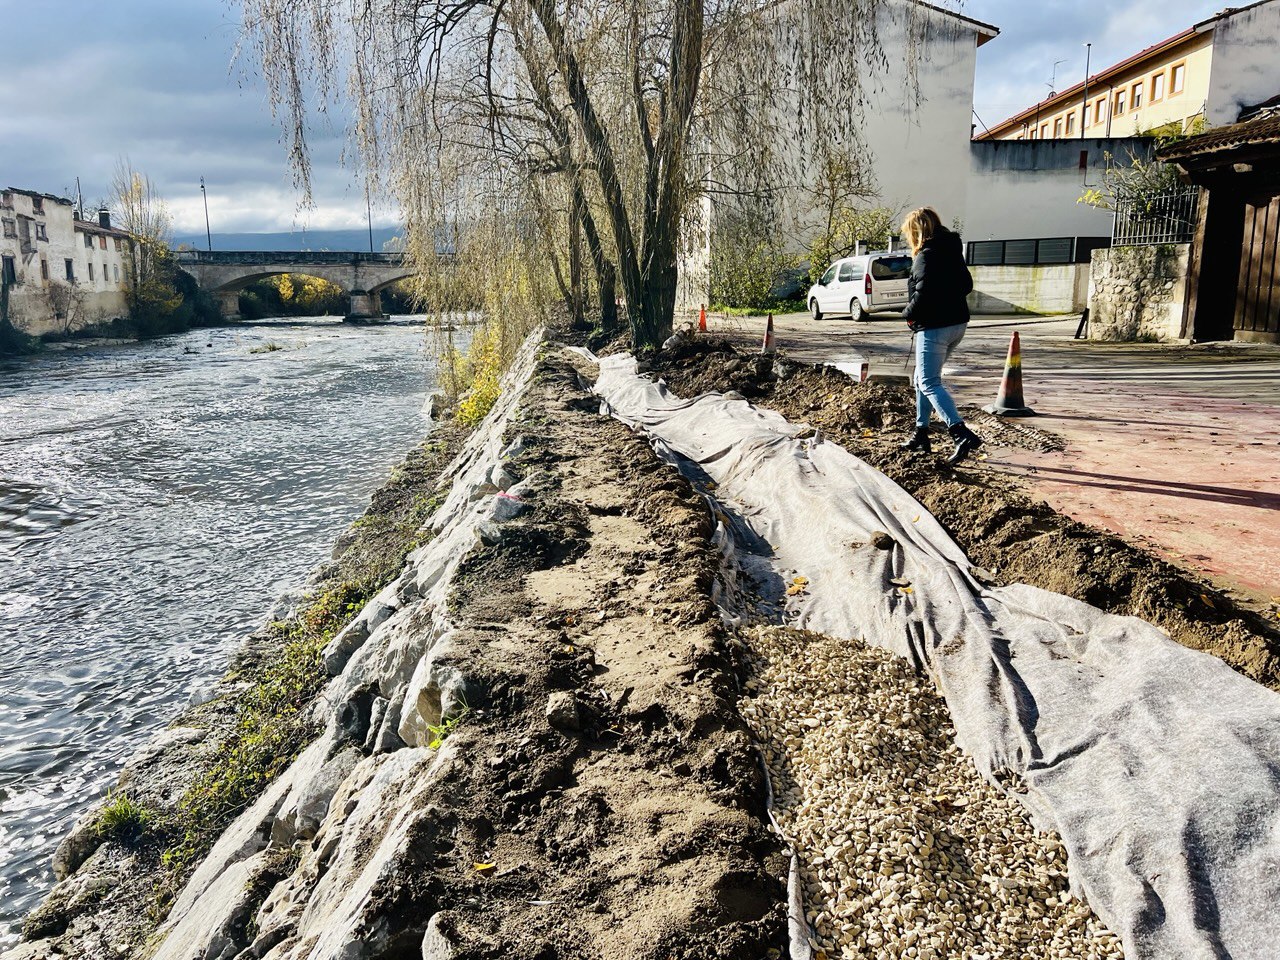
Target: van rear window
(891, 268)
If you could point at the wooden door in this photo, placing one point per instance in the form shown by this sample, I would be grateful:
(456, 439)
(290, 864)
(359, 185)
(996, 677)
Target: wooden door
(1258, 292)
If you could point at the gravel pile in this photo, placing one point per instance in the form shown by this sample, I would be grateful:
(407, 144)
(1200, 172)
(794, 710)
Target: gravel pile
(905, 850)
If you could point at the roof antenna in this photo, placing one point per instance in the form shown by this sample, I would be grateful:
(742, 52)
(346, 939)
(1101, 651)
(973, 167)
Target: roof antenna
(1053, 79)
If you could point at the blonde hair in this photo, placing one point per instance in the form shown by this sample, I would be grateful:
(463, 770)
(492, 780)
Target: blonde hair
(920, 226)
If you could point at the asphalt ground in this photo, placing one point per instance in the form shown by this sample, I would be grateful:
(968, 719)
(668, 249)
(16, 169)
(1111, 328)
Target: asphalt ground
(1173, 447)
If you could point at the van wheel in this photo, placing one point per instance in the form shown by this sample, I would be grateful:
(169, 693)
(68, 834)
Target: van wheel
(855, 310)
(813, 305)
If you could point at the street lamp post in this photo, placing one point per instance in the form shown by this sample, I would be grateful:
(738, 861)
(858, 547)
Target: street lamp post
(208, 236)
(368, 209)
(1084, 114)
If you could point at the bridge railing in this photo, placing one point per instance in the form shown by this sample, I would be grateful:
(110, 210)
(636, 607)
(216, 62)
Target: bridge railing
(300, 257)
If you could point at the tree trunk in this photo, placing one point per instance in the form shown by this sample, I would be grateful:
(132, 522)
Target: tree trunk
(575, 265)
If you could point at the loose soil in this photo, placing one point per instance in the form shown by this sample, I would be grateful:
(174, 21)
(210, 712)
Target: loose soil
(1016, 538)
(611, 805)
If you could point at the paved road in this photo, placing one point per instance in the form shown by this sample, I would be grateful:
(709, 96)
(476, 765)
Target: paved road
(1173, 447)
(1235, 371)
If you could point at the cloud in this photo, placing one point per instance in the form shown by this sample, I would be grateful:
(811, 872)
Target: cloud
(155, 81)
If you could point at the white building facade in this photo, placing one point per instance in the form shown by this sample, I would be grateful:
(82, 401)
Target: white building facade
(64, 273)
(915, 131)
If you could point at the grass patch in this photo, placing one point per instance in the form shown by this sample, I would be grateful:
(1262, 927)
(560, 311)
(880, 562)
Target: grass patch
(122, 818)
(781, 306)
(269, 347)
(271, 726)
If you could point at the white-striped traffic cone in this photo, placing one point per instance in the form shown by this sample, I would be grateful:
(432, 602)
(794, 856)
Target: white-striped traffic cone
(769, 346)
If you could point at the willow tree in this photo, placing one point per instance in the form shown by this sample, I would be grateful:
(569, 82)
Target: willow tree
(635, 110)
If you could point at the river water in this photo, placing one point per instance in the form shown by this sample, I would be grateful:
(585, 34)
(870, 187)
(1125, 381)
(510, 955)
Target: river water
(156, 499)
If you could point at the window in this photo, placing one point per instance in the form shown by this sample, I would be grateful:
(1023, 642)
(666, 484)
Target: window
(828, 276)
(1099, 110)
(846, 271)
(71, 270)
(1121, 97)
(1177, 79)
(88, 241)
(115, 269)
(6, 200)
(41, 233)
(102, 243)
(91, 271)
(891, 268)
(10, 227)
(10, 273)
(37, 204)
(1044, 131)
(44, 269)
(1136, 95)
(1032, 135)
(1057, 128)
(1157, 86)
(119, 245)
(1071, 123)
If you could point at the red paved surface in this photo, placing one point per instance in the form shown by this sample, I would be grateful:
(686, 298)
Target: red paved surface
(1194, 479)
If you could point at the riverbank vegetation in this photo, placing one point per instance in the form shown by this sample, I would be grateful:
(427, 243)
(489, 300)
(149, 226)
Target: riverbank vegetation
(272, 720)
(161, 298)
(163, 819)
(585, 145)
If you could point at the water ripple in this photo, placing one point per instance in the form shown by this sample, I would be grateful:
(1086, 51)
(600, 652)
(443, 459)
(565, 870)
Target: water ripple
(153, 505)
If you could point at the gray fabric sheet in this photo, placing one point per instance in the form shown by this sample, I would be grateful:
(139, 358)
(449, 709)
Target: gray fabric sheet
(1159, 766)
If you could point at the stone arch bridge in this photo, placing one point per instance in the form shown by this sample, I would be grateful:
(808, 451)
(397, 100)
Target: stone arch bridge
(224, 273)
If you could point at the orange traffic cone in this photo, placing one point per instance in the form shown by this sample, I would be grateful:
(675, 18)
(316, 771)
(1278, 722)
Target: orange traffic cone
(1009, 402)
(702, 319)
(769, 346)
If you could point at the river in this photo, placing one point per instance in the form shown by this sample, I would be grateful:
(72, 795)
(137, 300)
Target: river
(156, 500)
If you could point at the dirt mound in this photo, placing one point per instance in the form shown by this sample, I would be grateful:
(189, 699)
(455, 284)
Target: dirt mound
(611, 782)
(1002, 529)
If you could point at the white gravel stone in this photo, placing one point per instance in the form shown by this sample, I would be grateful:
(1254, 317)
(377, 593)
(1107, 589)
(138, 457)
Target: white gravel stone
(905, 851)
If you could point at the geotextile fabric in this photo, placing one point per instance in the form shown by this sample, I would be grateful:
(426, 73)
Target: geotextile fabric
(1159, 766)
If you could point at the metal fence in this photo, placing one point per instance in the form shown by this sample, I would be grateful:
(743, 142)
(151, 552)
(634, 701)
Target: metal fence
(1038, 252)
(1168, 217)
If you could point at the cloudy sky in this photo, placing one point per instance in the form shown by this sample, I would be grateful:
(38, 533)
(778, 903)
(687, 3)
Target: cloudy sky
(158, 80)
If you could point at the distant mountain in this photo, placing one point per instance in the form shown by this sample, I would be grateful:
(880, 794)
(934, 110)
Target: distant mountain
(310, 240)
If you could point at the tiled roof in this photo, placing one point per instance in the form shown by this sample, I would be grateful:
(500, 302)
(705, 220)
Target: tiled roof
(1263, 130)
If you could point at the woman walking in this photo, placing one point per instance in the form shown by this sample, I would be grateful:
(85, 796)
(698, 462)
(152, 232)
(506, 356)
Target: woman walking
(938, 316)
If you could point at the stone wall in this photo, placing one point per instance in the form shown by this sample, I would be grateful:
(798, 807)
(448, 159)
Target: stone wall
(1138, 293)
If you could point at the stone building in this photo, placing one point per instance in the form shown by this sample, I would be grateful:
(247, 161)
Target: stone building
(64, 273)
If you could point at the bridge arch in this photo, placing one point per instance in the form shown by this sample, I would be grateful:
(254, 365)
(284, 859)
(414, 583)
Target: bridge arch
(362, 275)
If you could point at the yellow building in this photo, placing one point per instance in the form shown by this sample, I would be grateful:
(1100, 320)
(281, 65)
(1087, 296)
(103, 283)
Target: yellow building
(1211, 71)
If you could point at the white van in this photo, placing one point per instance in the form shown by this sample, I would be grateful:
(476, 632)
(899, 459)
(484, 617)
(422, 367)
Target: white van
(861, 285)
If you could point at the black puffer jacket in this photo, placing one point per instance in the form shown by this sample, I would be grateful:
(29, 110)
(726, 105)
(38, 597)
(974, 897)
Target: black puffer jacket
(939, 283)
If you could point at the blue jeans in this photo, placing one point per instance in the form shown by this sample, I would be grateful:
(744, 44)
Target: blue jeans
(933, 348)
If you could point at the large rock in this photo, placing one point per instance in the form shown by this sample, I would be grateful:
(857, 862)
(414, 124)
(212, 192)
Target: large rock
(217, 931)
(307, 804)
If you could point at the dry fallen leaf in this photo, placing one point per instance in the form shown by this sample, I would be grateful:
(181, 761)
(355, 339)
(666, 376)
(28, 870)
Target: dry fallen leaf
(794, 590)
(484, 867)
(801, 581)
